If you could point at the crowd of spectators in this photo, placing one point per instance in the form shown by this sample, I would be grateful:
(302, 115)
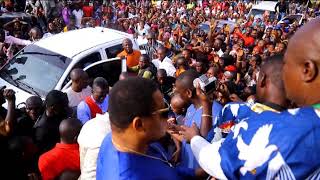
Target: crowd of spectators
(206, 70)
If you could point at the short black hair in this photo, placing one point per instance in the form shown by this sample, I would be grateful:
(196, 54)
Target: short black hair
(145, 57)
(57, 98)
(69, 129)
(273, 67)
(187, 78)
(258, 59)
(162, 72)
(100, 82)
(130, 98)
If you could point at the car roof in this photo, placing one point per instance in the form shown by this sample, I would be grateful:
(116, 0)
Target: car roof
(71, 43)
(265, 5)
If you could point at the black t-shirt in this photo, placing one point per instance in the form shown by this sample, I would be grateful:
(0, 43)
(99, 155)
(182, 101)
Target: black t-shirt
(167, 88)
(283, 7)
(46, 132)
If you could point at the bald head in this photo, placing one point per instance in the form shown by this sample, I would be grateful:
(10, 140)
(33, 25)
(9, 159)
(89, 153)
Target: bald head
(178, 104)
(34, 101)
(77, 74)
(127, 45)
(69, 130)
(79, 79)
(302, 63)
(34, 107)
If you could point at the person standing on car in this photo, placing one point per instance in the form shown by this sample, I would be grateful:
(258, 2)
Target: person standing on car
(282, 9)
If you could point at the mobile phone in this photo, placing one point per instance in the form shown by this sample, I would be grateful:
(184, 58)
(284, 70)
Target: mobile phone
(206, 84)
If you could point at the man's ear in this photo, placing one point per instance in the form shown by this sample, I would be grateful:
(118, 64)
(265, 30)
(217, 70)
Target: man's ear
(137, 124)
(309, 71)
(261, 82)
(189, 93)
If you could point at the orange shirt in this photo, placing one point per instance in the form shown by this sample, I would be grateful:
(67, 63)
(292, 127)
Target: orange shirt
(179, 71)
(132, 59)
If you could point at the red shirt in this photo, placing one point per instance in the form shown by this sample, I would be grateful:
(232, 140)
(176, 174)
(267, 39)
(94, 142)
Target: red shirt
(248, 40)
(87, 11)
(62, 157)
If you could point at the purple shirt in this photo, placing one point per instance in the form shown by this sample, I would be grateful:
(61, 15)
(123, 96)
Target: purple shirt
(66, 15)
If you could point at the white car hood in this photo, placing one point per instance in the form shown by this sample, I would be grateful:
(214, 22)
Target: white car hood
(21, 95)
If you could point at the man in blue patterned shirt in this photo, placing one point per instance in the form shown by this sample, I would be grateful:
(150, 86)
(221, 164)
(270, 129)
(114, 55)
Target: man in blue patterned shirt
(274, 145)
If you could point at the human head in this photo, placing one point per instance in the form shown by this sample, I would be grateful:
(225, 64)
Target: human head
(78, 79)
(255, 60)
(35, 33)
(161, 76)
(137, 115)
(181, 62)
(144, 61)
(127, 46)
(213, 72)
(161, 52)
(270, 86)
(281, 47)
(186, 54)
(254, 33)
(178, 104)
(56, 104)
(184, 85)
(301, 65)
(207, 47)
(150, 37)
(200, 67)
(69, 130)
(34, 107)
(217, 44)
(100, 89)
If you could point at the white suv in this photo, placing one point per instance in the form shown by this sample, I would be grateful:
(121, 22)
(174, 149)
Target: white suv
(46, 64)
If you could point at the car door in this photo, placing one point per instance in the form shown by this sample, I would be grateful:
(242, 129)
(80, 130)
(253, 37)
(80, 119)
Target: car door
(110, 69)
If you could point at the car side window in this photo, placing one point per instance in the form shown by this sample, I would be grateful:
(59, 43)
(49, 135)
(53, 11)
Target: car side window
(110, 70)
(113, 51)
(89, 59)
(84, 62)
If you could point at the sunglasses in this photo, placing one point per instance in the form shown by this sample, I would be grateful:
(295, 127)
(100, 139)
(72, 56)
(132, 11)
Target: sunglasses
(164, 113)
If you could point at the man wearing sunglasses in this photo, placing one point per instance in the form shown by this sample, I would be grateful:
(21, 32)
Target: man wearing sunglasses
(137, 121)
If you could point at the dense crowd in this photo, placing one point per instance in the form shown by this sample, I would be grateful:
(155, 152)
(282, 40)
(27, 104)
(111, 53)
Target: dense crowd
(209, 94)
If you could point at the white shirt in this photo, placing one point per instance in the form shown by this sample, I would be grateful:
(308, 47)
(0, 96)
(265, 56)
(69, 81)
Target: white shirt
(90, 139)
(142, 32)
(78, 14)
(220, 52)
(76, 97)
(204, 152)
(166, 64)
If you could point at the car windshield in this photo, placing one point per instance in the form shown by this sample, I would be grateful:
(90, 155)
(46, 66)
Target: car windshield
(258, 13)
(35, 70)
